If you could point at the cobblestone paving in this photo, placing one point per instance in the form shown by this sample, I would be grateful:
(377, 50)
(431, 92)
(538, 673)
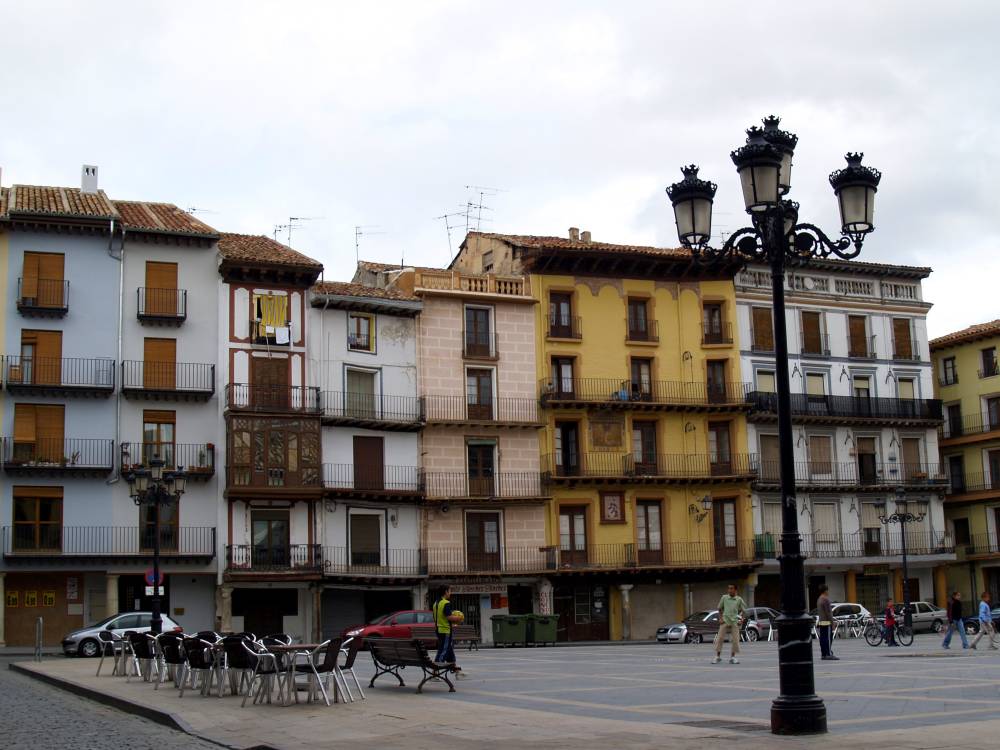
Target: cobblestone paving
(36, 715)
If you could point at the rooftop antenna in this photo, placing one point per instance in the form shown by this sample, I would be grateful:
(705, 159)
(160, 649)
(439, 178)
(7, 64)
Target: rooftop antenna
(280, 228)
(292, 225)
(448, 226)
(196, 210)
(483, 191)
(362, 230)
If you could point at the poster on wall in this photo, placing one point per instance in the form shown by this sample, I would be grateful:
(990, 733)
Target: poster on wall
(72, 588)
(30, 598)
(12, 599)
(48, 598)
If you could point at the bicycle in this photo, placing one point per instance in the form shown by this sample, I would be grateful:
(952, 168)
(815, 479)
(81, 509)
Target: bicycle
(875, 632)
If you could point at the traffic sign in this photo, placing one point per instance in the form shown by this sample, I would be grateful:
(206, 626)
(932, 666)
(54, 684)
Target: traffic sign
(149, 577)
(149, 591)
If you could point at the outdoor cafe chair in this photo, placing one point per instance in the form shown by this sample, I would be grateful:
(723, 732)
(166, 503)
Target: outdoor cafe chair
(236, 666)
(264, 673)
(200, 662)
(282, 637)
(313, 667)
(172, 661)
(111, 645)
(144, 655)
(352, 646)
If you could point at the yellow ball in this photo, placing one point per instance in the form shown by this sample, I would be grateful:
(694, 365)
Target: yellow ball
(458, 614)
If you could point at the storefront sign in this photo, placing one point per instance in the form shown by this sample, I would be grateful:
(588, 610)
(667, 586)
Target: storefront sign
(480, 588)
(48, 598)
(12, 599)
(149, 590)
(875, 570)
(30, 598)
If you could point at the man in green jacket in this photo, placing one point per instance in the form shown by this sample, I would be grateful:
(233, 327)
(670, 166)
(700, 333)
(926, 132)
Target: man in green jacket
(731, 611)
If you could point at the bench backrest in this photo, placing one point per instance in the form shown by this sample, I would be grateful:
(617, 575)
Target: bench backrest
(399, 652)
(465, 632)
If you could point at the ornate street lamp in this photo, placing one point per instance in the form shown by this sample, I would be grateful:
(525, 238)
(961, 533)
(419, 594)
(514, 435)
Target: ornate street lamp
(764, 166)
(155, 489)
(906, 512)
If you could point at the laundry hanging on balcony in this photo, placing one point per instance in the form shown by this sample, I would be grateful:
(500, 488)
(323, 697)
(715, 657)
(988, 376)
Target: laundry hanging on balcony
(271, 317)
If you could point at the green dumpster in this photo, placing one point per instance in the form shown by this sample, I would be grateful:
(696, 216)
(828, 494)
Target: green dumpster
(542, 629)
(509, 630)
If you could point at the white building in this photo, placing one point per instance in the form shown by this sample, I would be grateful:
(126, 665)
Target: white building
(865, 425)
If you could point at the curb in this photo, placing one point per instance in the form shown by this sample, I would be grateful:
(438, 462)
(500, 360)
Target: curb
(164, 718)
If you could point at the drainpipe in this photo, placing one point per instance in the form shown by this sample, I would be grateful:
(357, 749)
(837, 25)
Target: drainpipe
(115, 476)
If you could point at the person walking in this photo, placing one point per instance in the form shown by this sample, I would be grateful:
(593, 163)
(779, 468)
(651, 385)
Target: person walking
(986, 622)
(444, 619)
(890, 623)
(955, 621)
(824, 612)
(731, 611)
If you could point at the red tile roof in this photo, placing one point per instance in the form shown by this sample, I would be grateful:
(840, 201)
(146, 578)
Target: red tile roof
(538, 242)
(42, 200)
(161, 218)
(349, 289)
(972, 333)
(251, 248)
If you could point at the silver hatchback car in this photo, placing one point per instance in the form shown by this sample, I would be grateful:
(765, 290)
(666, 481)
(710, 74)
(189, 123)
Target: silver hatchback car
(87, 641)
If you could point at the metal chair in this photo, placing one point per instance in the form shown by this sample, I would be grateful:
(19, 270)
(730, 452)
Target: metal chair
(200, 661)
(280, 637)
(264, 668)
(236, 666)
(144, 655)
(173, 664)
(111, 645)
(352, 646)
(328, 651)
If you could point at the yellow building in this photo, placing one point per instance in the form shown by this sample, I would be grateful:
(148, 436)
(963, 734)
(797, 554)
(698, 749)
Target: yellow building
(968, 378)
(643, 449)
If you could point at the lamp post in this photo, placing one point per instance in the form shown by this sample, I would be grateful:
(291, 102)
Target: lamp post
(155, 489)
(904, 515)
(775, 237)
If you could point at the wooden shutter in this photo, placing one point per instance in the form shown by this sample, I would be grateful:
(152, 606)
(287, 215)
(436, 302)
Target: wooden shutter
(820, 455)
(772, 519)
(24, 423)
(770, 457)
(49, 422)
(46, 492)
(50, 279)
(159, 368)
(905, 388)
(763, 329)
(815, 385)
(366, 542)
(161, 288)
(765, 382)
(870, 513)
(901, 337)
(857, 331)
(825, 525)
(47, 367)
(29, 277)
(811, 339)
(911, 457)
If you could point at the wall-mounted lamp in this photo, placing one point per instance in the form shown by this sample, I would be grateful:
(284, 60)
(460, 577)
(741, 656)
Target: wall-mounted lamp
(890, 376)
(700, 515)
(687, 355)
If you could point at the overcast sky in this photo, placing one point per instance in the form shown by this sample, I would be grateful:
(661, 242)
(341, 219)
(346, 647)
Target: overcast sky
(579, 113)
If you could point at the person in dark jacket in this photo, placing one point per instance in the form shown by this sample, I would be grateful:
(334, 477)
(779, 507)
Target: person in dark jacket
(824, 623)
(955, 621)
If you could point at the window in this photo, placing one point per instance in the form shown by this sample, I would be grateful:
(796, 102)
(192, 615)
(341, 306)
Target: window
(481, 467)
(42, 281)
(159, 296)
(820, 455)
(954, 425)
(649, 532)
(813, 340)
(37, 518)
(169, 519)
(715, 371)
(487, 261)
(906, 388)
(369, 462)
(988, 358)
(639, 328)
(862, 386)
(366, 539)
(826, 527)
(857, 330)
(644, 447)
(714, 329)
(770, 458)
(359, 394)
(479, 393)
(270, 319)
(772, 523)
(361, 332)
(478, 332)
(724, 529)
(159, 364)
(562, 377)
(762, 329)
(871, 527)
(902, 341)
(949, 371)
(38, 435)
(572, 535)
(641, 379)
(270, 535)
(962, 535)
(864, 448)
(482, 541)
(719, 454)
(992, 405)
(158, 436)
(765, 381)
(405, 618)
(41, 359)
(567, 450)
(561, 315)
(912, 467)
(815, 384)
(276, 452)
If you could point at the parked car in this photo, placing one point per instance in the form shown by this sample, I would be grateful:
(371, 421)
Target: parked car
(972, 621)
(87, 641)
(926, 617)
(846, 611)
(392, 625)
(758, 621)
(696, 628)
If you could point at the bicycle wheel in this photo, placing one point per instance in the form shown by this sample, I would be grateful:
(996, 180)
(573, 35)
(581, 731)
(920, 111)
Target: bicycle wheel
(873, 634)
(904, 635)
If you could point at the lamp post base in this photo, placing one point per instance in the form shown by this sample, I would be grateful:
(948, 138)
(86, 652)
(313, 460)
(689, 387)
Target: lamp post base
(805, 715)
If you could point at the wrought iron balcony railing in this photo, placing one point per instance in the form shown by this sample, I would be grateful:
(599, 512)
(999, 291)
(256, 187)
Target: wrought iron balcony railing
(460, 409)
(857, 474)
(374, 478)
(861, 348)
(717, 333)
(980, 544)
(638, 329)
(876, 544)
(273, 398)
(565, 327)
(59, 374)
(52, 455)
(906, 351)
(161, 305)
(52, 540)
(649, 466)
(950, 378)
(290, 558)
(626, 393)
(480, 345)
(196, 459)
(168, 377)
(989, 369)
(343, 561)
(264, 334)
(369, 408)
(503, 484)
(971, 424)
(973, 481)
(822, 407)
(43, 297)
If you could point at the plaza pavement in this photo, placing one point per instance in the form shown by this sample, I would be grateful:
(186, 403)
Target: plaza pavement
(641, 696)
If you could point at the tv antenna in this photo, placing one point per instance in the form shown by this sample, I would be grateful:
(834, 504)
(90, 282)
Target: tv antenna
(483, 191)
(196, 210)
(448, 226)
(363, 230)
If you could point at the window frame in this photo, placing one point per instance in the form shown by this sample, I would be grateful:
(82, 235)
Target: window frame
(353, 336)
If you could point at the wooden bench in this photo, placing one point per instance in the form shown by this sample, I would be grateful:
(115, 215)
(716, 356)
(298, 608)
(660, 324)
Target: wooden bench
(466, 634)
(391, 655)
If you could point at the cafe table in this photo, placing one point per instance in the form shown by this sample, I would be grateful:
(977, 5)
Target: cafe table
(292, 651)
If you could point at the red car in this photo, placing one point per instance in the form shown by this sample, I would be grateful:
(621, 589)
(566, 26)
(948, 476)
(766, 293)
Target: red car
(394, 625)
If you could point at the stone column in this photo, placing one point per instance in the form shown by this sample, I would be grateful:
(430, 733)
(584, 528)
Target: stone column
(941, 586)
(688, 601)
(111, 595)
(850, 586)
(625, 588)
(419, 596)
(224, 607)
(545, 597)
(318, 613)
(3, 615)
(897, 585)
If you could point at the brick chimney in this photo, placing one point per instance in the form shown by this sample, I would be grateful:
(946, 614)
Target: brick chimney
(585, 235)
(574, 233)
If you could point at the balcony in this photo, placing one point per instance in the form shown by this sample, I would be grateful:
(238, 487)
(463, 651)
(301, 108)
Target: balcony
(816, 345)
(289, 561)
(657, 395)
(275, 399)
(989, 370)
(45, 376)
(971, 426)
(453, 283)
(196, 459)
(156, 381)
(857, 475)
(501, 412)
(861, 348)
(262, 334)
(48, 457)
(396, 413)
(716, 334)
(881, 544)
(33, 544)
(46, 298)
(950, 378)
(401, 482)
(164, 307)
(503, 485)
(612, 468)
(807, 409)
(569, 327)
(385, 563)
(979, 546)
(642, 331)
(906, 351)
(480, 345)
(973, 482)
